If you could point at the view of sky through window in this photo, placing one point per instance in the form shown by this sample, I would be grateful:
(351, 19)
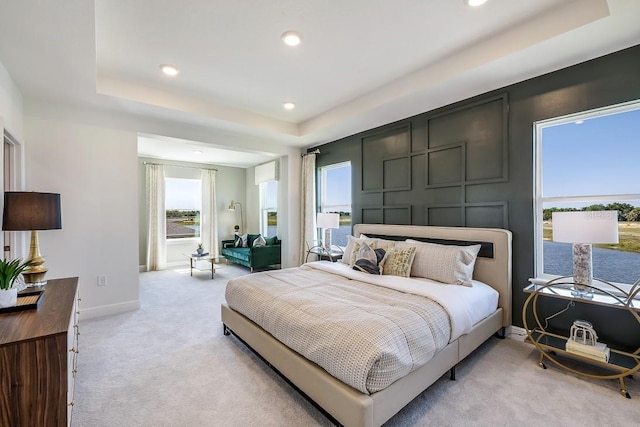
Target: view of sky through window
(182, 193)
(336, 179)
(576, 165)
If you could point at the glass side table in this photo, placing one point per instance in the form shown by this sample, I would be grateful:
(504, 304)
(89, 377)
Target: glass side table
(204, 262)
(332, 255)
(550, 345)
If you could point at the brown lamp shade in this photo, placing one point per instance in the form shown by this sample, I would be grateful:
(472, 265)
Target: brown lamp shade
(24, 210)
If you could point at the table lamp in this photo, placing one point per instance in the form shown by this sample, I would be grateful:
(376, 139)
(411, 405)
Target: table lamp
(328, 221)
(583, 228)
(31, 211)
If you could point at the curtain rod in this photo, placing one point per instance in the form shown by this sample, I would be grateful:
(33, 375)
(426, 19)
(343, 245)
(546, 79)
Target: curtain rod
(316, 151)
(176, 166)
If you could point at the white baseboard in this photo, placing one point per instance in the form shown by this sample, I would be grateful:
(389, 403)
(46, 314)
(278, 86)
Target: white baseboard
(108, 310)
(516, 333)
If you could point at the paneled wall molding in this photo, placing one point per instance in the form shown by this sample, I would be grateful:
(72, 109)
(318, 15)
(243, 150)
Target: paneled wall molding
(388, 151)
(396, 214)
(429, 168)
(447, 165)
(493, 134)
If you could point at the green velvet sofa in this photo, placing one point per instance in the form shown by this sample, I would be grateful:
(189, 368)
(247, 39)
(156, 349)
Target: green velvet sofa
(253, 257)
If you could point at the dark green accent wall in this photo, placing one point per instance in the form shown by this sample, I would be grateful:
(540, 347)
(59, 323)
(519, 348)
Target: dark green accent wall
(471, 163)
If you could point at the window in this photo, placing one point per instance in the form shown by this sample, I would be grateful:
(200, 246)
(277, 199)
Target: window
(269, 208)
(183, 202)
(335, 197)
(588, 162)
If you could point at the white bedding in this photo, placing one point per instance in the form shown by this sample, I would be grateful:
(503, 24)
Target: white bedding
(466, 305)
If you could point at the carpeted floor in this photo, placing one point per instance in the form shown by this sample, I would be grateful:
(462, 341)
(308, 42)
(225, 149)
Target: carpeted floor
(168, 364)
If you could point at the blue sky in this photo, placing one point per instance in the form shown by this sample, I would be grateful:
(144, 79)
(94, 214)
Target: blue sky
(339, 182)
(183, 193)
(574, 162)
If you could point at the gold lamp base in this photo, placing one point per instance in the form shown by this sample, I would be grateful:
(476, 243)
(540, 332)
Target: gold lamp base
(34, 275)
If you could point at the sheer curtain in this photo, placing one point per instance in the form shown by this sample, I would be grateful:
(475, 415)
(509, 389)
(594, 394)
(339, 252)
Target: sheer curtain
(209, 215)
(157, 235)
(308, 205)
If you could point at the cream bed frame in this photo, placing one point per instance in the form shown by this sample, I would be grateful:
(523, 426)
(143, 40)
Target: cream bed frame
(350, 407)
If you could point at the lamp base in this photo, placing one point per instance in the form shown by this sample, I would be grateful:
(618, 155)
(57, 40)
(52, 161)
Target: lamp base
(582, 271)
(34, 278)
(582, 292)
(327, 239)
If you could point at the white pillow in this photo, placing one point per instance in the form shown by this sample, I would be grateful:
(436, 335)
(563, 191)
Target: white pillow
(444, 263)
(259, 241)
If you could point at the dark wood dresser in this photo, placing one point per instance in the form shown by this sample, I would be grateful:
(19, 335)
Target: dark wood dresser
(38, 350)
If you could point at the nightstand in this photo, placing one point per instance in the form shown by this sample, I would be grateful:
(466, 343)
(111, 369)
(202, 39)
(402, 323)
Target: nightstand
(332, 255)
(620, 364)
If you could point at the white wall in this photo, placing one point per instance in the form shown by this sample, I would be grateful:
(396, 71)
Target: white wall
(288, 206)
(289, 219)
(253, 202)
(10, 105)
(95, 171)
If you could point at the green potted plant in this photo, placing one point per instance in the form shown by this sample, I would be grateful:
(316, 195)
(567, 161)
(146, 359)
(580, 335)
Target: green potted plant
(9, 273)
(200, 249)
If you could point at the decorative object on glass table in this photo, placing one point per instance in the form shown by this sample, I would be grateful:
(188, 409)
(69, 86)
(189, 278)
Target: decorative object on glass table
(583, 341)
(200, 249)
(327, 221)
(582, 229)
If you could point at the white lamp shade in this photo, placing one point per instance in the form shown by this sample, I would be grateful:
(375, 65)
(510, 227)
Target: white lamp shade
(585, 227)
(328, 220)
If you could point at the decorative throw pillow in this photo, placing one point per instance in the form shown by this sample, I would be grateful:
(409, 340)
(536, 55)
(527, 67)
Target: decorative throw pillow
(368, 259)
(444, 263)
(350, 252)
(398, 260)
(269, 241)
(237, 241)
(245, 241)
(259, 241)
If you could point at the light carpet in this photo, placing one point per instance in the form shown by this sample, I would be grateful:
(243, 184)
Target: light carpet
(168, 364)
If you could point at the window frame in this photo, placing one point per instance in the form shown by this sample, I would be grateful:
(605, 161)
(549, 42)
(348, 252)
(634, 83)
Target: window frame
(322, 205)
(264, 209)
(539, 200)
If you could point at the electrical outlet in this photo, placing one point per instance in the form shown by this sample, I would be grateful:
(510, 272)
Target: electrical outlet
(102, 280)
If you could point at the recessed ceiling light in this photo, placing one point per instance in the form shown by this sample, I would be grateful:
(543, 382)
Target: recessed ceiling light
(475, 2)
(169, 70)
(291, 38)
(579, 122)
(197, 152)
(289, 105)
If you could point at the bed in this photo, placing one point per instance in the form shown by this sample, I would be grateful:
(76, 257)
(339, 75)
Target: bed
(351, 405)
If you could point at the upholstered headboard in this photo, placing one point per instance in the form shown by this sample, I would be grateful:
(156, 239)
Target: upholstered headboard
(493, 266)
